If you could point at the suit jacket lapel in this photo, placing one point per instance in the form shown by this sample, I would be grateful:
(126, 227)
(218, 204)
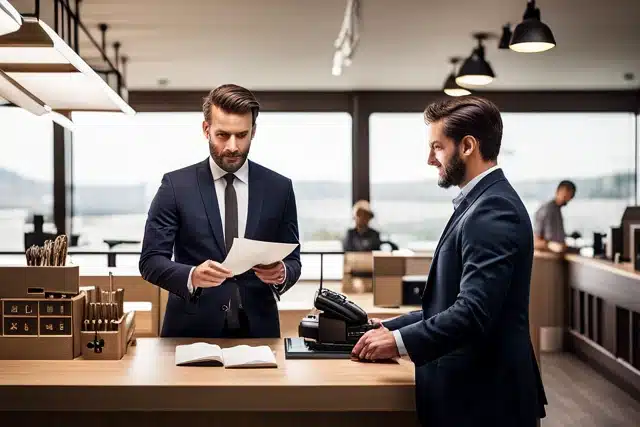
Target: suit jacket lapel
(469, 199)
(255, 201)
(210, 199)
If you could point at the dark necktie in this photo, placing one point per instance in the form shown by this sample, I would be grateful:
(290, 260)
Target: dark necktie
(230, 212)
(230, 232)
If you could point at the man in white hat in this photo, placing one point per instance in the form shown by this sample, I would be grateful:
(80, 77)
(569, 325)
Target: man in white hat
(362, 238)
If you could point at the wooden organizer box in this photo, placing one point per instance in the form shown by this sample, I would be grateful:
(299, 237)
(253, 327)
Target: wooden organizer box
(35, 281)
(109, 345)
(41, 328)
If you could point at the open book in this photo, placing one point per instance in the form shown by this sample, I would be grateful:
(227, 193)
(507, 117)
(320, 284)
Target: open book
(240, 356)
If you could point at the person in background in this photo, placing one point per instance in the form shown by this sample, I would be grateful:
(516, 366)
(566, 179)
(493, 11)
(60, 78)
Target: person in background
(362, 238)
(548, 230)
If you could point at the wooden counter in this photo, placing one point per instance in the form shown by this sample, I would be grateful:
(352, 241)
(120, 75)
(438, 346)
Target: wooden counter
(148, 380)
(603, 318)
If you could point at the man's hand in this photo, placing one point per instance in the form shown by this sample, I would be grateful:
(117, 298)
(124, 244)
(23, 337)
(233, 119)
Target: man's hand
(272, 274)
(376, 344)
(209, 274)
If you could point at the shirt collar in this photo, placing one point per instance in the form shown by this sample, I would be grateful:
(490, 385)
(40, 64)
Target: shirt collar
(467, 188)
(242, 174)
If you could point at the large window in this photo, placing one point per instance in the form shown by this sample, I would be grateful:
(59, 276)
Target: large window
(118, 163)
(595, 150)
(26, 176)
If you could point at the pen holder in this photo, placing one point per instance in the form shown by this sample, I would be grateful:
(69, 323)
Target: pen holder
(109, 345)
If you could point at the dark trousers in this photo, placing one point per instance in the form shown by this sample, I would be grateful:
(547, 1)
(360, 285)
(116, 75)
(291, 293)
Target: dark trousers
(242, 331)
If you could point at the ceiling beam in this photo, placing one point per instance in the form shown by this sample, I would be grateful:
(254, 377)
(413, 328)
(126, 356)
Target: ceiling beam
(396, 101)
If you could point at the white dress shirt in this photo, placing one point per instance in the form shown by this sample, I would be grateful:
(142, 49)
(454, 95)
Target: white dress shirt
(241, 185)
(402, 350)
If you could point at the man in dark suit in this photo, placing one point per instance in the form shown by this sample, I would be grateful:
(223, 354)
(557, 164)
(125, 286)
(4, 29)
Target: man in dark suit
(470, 343)
(195, 215)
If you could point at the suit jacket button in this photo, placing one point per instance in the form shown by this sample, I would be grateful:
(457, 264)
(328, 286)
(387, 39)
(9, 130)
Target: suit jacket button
(224, 307)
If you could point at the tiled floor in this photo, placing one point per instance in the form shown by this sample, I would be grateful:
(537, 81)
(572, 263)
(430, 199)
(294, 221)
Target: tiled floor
(579, 396)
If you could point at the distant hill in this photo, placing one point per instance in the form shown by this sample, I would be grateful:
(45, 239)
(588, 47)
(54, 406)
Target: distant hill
(19, 192)
(615, 186)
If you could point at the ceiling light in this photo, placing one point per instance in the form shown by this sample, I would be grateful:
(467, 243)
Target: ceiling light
(452, 88)
(17, 95)
(532, 35)
(12, 92)
(476, 71)
(10, 19)
(348, 38)
(41, 62)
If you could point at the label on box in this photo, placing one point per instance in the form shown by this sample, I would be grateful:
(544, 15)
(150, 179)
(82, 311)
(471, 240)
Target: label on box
(55, 326)
(21, 308)
(55, 308)
(20, 326)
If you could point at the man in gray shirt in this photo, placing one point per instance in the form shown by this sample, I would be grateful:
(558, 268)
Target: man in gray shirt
(548, 225)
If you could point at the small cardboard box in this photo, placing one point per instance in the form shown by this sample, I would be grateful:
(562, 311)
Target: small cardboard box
(109, 345)
(33, 281)
(41, 329)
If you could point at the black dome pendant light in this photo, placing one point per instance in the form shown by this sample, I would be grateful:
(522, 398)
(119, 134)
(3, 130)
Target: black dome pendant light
(475, 70)
(532, 35)
(452, 88)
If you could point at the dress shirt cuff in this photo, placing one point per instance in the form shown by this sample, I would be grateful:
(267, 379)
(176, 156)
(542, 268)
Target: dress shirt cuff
(189, 284)
(402, 350)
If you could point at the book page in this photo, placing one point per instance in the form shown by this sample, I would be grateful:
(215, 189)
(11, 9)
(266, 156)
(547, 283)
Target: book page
(244, 356)
(198, 354)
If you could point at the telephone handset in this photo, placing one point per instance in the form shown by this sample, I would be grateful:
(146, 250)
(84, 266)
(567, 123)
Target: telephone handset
(337, 305)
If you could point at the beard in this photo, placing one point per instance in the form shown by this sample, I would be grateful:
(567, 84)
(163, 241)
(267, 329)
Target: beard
(454, 172)
(228, 161)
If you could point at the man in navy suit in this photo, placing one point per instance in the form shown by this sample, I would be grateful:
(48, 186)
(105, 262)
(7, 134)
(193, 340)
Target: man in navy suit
(470, 343)
(196, 214)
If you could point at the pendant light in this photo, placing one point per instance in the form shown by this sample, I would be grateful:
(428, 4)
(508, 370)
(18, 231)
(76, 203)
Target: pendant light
(475, 70)
(10, 19)
(452, 88)
(532, 35)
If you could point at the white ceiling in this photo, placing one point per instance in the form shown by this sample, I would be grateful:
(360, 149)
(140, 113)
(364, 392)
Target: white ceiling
(405, 44)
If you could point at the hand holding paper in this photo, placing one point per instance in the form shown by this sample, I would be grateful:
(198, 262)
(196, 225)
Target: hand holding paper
(246, 254)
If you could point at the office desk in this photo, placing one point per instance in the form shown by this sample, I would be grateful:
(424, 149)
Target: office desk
(298, 392)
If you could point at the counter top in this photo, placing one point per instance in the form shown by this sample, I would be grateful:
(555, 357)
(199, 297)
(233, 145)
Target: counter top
(147, 379)
(624, 268)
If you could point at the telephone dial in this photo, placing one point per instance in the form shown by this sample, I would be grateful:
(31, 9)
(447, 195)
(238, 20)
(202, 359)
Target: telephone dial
(340, 324)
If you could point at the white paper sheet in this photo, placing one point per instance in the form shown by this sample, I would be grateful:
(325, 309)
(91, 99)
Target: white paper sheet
(246, 254)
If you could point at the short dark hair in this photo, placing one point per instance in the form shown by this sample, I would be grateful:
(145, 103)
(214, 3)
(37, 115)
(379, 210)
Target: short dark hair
(569, 185)
(231, 99)
(469, 116)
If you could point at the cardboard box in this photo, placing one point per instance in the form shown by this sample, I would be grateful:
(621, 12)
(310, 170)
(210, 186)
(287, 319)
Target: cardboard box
(34, 282)
(41, 329)
(388, 271)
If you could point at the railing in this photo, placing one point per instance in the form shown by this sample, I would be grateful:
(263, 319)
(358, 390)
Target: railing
(111, 255)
